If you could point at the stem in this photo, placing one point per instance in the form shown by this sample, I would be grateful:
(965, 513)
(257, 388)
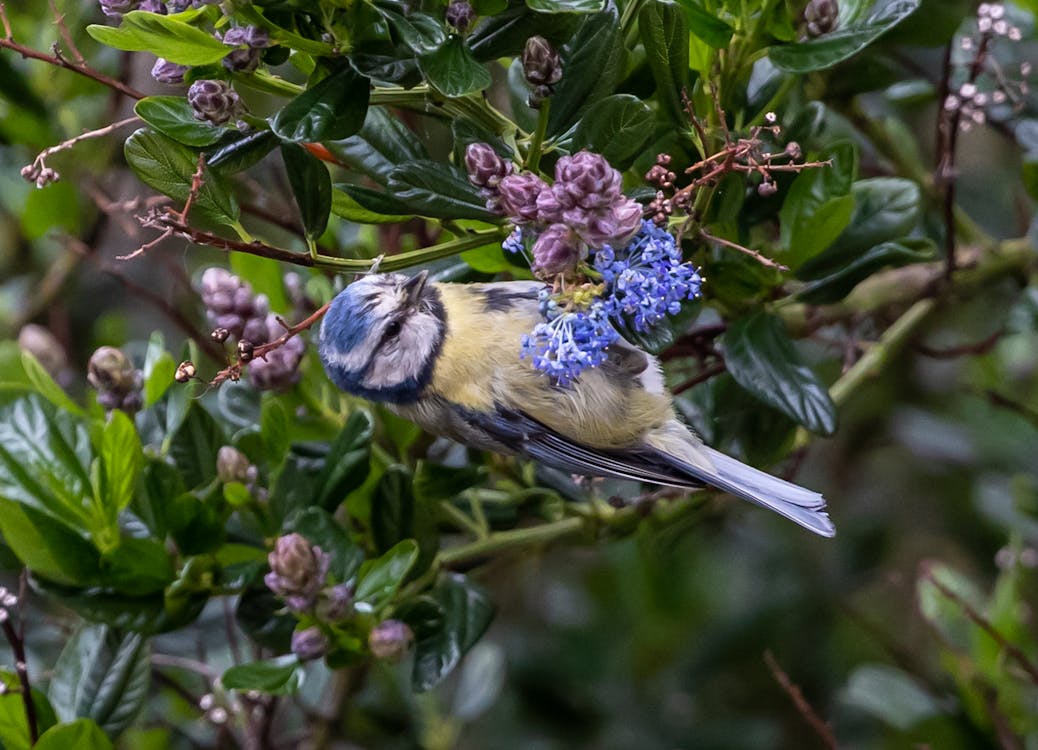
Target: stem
(533, 155)
(507, 540)
(22, 669)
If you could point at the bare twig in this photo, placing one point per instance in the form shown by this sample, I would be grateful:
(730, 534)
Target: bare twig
(756, 255)
(57, 60)
(196, 185)
(1012, 651)
(824, 732)
(705, 374)
(39, 163)
(983, 346)
(70, 42)
(16, 639)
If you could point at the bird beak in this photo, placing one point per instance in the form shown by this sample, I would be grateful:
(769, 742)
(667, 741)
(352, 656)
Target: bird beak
(413, 286)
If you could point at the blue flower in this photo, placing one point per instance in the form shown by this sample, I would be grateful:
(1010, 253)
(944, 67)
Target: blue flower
(646, 280)
(569, 341)
(514, 243)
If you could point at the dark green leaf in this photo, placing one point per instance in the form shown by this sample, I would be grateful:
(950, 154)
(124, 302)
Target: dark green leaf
(262, 617)
(761, 358)
(565, 6)
(82, 734)
(705, 25)
(370, 206)
(328, 111)
(392, 509)
(890, 695)
(419, 31)
(194, 447)
(836, 46)
(237, 151)
(885, 208)
(279, 676)
(323, 530)
(383, 144)
(138, 567)
(163, 36)
(665, 37)
(49, 547)
(838, 284)
(168, 166)
(274, 427)
(616, 127)
(452, 70)
(380, 578)
(161, 484)
(430, 188)
(347, 464)
(195, 523)
(1029, 174)
(505, 34)
(593, 61)
(466, 614)
(159, 369)
(103, 676)
(818, 206)
(174, 116)
(311, 186)
(434, 482)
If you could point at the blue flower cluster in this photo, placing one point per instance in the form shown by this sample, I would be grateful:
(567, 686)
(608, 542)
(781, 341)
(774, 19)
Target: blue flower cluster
(646, 280)
(569, 341)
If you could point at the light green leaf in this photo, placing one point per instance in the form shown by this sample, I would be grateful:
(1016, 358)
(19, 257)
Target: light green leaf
(46, 386)
(380, 578)
(163, 36)
(82, 734)
(279, 676)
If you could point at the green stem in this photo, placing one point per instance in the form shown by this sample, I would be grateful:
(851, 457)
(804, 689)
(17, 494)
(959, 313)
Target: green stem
(533, 154)
(412, 257)
(426, 100)
(508, 540)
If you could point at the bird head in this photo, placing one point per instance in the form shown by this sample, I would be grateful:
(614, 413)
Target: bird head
(381, 336)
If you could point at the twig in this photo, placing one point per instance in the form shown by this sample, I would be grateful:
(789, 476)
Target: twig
(705, 374)
(803, 707)
(984, 624)
(16, 639)
(997, 399)
(763, 260)
(57, 60)
(169, 224)
(196, 185)
(962, 350)
(59, 21)
(39, 163)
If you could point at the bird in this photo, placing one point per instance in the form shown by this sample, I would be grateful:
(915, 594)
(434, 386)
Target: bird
(447, 357)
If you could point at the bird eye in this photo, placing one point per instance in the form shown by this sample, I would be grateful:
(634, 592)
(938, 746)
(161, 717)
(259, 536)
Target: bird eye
(392, 329)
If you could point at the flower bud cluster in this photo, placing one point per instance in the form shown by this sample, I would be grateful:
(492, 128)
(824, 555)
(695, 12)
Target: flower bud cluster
(40, 174)
(460, 15)
(486, 170)
(542, 69)
(249, 41)
(298, 571)
(214, 101)
(821, 17)
(117, 382)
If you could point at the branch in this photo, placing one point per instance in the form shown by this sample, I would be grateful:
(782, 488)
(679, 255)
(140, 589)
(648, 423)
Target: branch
(803, 707)
(763, 260)
(16, 639)
(58, 61)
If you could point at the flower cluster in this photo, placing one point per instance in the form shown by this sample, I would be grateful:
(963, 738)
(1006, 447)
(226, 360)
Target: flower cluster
(570, 340)
(117, 382)
(115, 8)
(213, 100)
(249, 43)
(821, 17)
(298, 571)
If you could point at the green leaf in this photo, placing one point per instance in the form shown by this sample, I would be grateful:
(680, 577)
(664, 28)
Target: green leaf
(392, 509)
(46, 386)
(419, 31)
(262, 617)
(705, 25)
(452, 70)
(565, 6)
(330, 110)
(175, 117)
(317, 525)
(168, 166)
(348, 461)
(138, 567)
(890, 695)
(48, 547)
(102, 676)
(194, 447)
(885, 208)
(267, 276)
(311, 186)
(121, 461)
(1029, 174)
(14, 729)
(434, 482)
(383, 144)
(82, 734)
(162, 36)
(282, 675)
(818, 206)
(380, 578)
(593, 61)
(159, 369)
(237, 151)
(616, 127)
(843, 43)
(430, 188)
(505, 34)
(274, 428)
(837, 285)
(368, 205)
(761, 358)
(665, 37)
(466, 613)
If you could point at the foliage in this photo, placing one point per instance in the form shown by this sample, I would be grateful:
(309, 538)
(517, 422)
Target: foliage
(312, 541)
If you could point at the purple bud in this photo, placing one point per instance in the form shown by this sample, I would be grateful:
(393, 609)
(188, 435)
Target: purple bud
(297, 571)
(821, 17)
(557, 250)
(176, 6)
(541, 63)
(116, 8)
(460, 15)
(249, 36)
(212, 100)
(153, 6)
(520, 194)
(390, 639)
(586, 180)
(485, 167)
(309, 644)
(278, 369)
(336, 603)
(164, 71)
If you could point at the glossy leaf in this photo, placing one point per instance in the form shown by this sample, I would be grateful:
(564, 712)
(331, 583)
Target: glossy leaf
(236, 151)
(838, 284)
(81, 734)
(437, 190)
(845, 42)
(347, 465)
(466, 613)
(565, 6)
(173, 116)
(194, 446)
(262, 617)
(163, 36)
(332, 109)
(380, 578)
(383, 144)
(452, 70)
(324, 531)
(46, 386)
(505, 34)
(102, 676)
(282, 675)
(616, 127)
(311, 186)
(665, 37)
(345, 206)
(706, 25)
(392, 509)
(48, 547)
(168, 166)
(761, 358)
(419, 31)
(159, 369)
(434, 482)
(14, 729)
(121, 461)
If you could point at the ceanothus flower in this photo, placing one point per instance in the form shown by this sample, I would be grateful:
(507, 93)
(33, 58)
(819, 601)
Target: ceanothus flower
(569, 341)
(646, 280)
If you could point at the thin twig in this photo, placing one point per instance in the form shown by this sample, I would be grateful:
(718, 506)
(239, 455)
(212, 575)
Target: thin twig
(705, 374)
(756, 255)
(98, 133)
(1013, 651)
(16, 639)
(85, 70)
(59, 21)
(803, 707)
(196, 185)
(169, 222)
(983, 346)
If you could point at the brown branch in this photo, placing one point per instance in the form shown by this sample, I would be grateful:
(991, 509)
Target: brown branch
(39, 163)
(1023, 410)
(196, 184)
(756, 255)
(59, 21)
(705, 374)
(16, 639)
(1012, 651)
(58, 61)
(824, 732)
(983, 346)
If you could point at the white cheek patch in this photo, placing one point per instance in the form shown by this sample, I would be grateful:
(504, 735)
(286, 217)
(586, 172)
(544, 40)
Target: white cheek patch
(651, 377)
(407, 358)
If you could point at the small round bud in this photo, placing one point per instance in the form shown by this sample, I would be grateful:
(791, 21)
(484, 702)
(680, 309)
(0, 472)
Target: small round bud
(460, 15)
(42, 344)
(246, 350)
(541, 63)
(213, 100)
(185, 371)
(220, 335)
(164, 71)
(767, 188)
(116, 8)
(232, 465)
(485, 167)
(390, 639)
(793, 150)
(821, 17)
(110, 370)
(309, 644)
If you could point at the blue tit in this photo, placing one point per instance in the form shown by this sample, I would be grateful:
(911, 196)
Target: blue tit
(446, 356)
